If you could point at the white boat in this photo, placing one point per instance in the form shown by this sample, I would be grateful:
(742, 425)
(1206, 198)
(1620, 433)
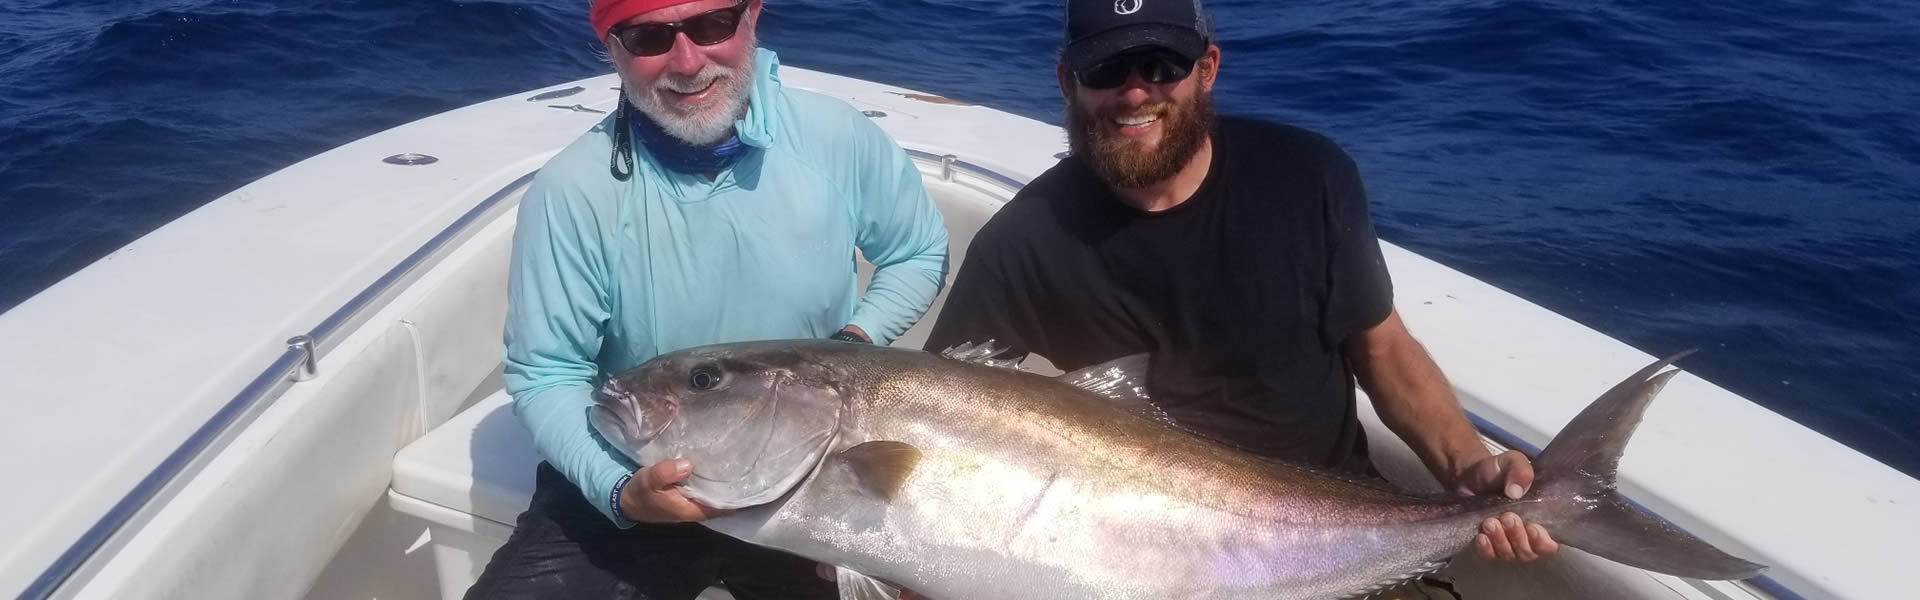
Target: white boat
(294, 392)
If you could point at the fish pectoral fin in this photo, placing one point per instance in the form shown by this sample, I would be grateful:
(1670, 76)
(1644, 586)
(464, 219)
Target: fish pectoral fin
(881, 467)
(1124, 381)
(1404, 585)
(856, 586)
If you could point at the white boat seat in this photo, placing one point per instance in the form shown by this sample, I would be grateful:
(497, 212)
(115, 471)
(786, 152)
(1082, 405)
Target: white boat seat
(469, 479)
(480, 463)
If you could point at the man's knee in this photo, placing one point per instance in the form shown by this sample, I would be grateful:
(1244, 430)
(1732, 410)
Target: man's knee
(539, 561)
(550, 552)
(754, 572)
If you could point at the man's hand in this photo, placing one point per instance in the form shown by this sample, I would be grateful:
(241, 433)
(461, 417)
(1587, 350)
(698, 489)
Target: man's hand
(1416, 402)
(1507, 537)
(653, 496)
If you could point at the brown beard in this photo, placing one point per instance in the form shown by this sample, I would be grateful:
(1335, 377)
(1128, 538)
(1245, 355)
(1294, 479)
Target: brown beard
(1125, 163)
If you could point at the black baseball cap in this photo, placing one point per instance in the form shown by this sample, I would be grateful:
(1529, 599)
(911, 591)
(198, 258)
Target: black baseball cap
(1101, 29)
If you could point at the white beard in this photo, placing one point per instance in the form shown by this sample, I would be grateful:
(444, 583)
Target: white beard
(709, 124)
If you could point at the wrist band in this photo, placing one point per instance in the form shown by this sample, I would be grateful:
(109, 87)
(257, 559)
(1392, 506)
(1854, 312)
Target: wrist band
(848, 336)
(614, 499)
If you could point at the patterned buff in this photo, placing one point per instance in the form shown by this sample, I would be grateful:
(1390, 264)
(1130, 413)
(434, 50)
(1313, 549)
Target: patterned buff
(677, 155)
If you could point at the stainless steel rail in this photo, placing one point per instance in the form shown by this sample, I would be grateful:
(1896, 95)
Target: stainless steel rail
(137, 506)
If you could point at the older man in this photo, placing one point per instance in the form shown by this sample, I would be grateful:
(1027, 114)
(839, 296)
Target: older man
(713, 205)
(1239, 252)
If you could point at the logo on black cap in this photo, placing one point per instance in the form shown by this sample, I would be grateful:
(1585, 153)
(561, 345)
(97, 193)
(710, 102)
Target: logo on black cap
(1100, 29)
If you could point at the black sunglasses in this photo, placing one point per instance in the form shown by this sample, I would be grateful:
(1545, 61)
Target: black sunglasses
(706, 29)
(1154, 66)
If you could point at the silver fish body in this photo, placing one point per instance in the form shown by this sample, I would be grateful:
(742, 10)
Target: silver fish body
(965, 481)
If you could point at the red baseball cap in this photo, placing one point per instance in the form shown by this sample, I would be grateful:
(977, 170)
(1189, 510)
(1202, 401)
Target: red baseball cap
(608, 13)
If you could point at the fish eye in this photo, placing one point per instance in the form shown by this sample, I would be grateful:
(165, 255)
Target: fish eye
(704, 378)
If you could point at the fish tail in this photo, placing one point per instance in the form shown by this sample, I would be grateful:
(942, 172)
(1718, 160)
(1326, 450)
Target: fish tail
(1577, 501)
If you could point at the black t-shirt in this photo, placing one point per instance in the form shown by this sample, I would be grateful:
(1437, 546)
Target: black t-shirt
(1243, 293)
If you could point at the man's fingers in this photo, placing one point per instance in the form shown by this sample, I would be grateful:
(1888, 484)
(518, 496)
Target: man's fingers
(678, 507)
(1517, 536)
(666, 474)
(1502, 547)
(653, 495)
(708, 512)
(1508, 537)
(1481, 476)
(1519, 474)
(1543, 543)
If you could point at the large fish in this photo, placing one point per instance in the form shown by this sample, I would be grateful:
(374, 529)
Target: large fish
(964, 481)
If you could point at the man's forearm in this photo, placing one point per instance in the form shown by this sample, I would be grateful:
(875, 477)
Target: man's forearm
(1414, 400)
(898, 296)
(562, 437)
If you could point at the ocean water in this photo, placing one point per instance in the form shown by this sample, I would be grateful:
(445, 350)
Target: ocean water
(1741, 177)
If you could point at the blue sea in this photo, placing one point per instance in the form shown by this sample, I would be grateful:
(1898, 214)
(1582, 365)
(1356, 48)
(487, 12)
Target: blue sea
(1738, 176)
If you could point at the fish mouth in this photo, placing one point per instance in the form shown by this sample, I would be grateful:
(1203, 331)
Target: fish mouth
(633, 419)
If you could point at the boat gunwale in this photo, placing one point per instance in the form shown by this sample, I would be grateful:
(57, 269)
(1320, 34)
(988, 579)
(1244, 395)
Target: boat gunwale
(159, 484)
(137, 506)
(1501, 436)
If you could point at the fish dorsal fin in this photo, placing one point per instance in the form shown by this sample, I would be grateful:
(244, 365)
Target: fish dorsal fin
(881, 467)
(982, 354)
(1124, 381)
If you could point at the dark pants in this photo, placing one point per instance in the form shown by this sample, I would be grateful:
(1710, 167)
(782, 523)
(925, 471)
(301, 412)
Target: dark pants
(563, 548)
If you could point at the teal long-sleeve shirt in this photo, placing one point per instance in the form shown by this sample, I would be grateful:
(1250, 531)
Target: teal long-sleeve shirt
(606, 274)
